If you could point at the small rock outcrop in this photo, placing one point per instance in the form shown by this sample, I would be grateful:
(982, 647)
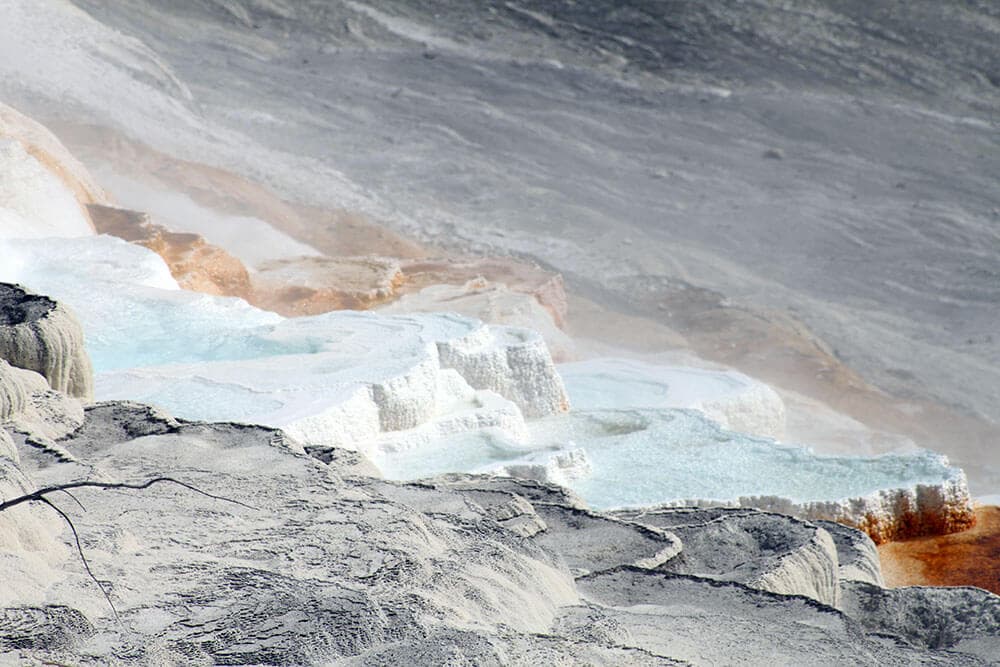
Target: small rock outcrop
(767, 551)
(41, 335)
(512, 362)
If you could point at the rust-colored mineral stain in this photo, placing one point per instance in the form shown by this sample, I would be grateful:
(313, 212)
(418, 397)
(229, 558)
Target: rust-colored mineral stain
(968, 558)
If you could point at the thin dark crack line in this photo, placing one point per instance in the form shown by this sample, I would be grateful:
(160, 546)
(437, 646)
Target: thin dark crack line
(39, 496)
(79, 550)
(40, 493)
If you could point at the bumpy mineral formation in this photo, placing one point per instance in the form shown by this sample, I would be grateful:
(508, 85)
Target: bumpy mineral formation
(41, 335)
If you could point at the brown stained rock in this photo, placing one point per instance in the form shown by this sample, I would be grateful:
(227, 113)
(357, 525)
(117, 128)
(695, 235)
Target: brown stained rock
(911, 523)
(518, 275)
(312, 285)
(342, 235)
(968, 558)
(195, 263)
(333, 232)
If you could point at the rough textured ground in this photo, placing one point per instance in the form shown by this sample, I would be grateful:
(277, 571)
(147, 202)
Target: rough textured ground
(299, 556)
(330, 564)
(805, 193)
(258, 550)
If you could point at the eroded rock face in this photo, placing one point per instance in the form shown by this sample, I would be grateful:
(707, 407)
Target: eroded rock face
(325, 564)
(7, 447)
(891, 514)
(334, 568)
(856, 553)
(766, 551)
(13, 396)
(29, 408)
(41, 335)
(929, 617)
(194, 263)
(712, 622)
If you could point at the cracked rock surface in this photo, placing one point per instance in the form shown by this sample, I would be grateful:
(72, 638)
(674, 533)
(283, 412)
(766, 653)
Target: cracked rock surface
(323, 563)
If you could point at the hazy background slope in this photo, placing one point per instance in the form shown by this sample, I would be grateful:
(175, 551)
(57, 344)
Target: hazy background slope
(838, 162)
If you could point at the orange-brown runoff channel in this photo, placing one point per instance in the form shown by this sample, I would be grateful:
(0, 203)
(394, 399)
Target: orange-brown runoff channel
(969, 558)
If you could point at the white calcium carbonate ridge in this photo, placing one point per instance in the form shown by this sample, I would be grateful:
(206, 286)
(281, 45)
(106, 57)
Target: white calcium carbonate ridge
(392, 384)
(34, 203)
(885, 514)
(340, 378)
(733, 400)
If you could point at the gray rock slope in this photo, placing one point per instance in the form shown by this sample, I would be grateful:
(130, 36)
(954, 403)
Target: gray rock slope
(625, 143)
(324, 564)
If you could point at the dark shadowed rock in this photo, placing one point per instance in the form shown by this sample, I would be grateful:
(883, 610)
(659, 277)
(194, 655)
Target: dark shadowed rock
(856, 553)
(961, 618)
(52, 628)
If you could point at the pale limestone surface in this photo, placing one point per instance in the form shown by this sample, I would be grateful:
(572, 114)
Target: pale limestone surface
(733, 400)
(34, 202)
(494, 303)
(38, 142)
